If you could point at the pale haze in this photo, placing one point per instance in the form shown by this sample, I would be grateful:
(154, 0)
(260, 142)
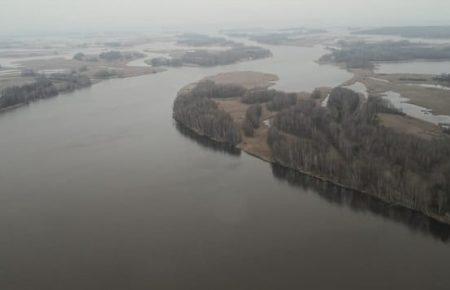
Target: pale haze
(25, 16)
(224, 144)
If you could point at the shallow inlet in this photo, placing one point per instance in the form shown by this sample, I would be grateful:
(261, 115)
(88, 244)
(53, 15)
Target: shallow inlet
(415, 111)
(414, 67)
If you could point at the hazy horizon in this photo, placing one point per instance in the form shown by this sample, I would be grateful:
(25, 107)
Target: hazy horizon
(37, 16)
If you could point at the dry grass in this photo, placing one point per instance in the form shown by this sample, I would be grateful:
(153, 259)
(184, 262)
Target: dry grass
(247, 79)
(437, 100)
(257, 145)
(234, 107)
(92, 67)
(408, 125)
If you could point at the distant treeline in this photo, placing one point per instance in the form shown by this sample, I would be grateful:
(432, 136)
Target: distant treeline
(195, 39)
(345, 143)
(271, 38)
(213, 58)
(410, 31)
(112, 55)
(43, 87)
(279, 37)
(362, 54)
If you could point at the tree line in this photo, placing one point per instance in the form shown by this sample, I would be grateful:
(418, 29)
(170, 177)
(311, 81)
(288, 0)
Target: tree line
(196, 110)
(362, 54)
(209, 58)
(195, 39)
(344, 142)
(43, 87)
(410, 31)
(112, 55)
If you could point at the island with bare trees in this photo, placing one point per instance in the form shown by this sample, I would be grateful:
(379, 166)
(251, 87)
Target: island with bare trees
(334, 134)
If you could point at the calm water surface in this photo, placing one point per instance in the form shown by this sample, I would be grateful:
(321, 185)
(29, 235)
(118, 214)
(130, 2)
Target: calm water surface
(100, 190)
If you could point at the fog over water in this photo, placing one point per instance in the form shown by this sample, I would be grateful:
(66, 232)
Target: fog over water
(18, 16)
(101, 189)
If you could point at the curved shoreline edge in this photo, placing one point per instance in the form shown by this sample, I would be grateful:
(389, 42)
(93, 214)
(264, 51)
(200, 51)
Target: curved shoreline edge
(436, 218)
(258, 147)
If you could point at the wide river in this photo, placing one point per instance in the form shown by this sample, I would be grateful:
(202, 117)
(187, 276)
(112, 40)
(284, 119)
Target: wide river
(100, 190)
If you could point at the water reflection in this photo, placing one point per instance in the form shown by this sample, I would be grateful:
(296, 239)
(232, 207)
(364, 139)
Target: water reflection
(206, 142)
(354, 200)
(364, 203)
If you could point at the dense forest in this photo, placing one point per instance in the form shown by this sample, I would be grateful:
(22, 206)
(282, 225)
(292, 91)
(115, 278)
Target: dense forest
(252, 119)
(345, 143)
(43, 87)
(196, 110)
(410, 31)
(213, 58)
(362, 54)
(112, 55)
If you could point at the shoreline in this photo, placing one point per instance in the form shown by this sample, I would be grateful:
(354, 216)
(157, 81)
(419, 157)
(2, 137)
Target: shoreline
(10, 108)
(256, 145)
(93, 81)
(440, 219)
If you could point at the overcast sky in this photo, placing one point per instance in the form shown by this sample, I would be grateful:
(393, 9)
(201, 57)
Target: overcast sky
(17, 16)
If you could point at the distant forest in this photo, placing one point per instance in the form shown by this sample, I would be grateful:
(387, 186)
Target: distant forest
(43, 87)
(196, 110)
(410, 31)
(363, 54)
(112, 55)
(213, 58)
(276, 37)
(195, 39)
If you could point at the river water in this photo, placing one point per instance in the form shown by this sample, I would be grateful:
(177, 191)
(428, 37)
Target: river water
(101, 190)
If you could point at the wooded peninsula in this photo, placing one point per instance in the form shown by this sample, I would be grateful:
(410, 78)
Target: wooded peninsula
(339, 140)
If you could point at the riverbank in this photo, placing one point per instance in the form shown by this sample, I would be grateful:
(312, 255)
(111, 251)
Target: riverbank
(257, 145)
(62, 75)
(253, 148)
(421, 89)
